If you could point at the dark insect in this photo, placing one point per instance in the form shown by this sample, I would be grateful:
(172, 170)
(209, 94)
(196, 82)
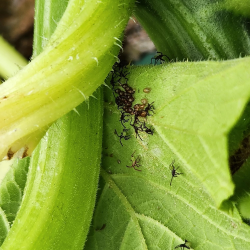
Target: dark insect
(113, 80)
(137, 129)
(159, 57)
(149, 107)
(149, 131)
(100, 229)
(135, 162)
(173, 171)
(184, 245)
(123, 72)
(125, 137)
(118, 102)
(123, 118)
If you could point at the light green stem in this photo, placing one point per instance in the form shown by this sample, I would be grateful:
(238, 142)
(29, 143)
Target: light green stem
(60, 194)
(10, 60)
(62, 182)
(76, 61)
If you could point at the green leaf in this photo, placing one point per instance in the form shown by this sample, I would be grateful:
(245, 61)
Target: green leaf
(239, 141)
(193, 29)
(12, 182)
(242, 191)
(239, 7)
(240, 131)
(12, 188)
(4, 226)
(140, 213)
(196, 106)
(195, 114)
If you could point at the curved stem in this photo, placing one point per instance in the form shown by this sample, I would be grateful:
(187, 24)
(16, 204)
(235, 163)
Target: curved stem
(75, 62)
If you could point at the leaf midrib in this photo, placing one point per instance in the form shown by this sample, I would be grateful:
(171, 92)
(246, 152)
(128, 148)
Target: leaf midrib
(125, 202)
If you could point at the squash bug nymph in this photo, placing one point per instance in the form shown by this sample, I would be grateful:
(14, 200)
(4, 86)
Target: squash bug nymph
(135, 162)
(173, 171)
(186, 244)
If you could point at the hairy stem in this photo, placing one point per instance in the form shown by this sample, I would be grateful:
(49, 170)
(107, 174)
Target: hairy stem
(74, 63)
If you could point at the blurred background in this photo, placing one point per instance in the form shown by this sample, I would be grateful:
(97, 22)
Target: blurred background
(17, 24)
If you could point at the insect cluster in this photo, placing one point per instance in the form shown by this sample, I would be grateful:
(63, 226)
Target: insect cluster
(124, 98)
(134, 114)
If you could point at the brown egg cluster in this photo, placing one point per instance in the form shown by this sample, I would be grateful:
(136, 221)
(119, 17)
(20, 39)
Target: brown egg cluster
(124, 98)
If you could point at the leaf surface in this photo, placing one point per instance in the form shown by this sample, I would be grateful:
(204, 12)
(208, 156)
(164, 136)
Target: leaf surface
(11, 193)
(197, 30)
(242, 191)
(12, 188)
(196, 105)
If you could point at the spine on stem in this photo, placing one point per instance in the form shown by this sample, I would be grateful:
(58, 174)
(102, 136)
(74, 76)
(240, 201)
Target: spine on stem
(74, 63)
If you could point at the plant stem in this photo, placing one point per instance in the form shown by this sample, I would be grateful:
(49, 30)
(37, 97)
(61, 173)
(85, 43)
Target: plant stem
(75, 62)
(61, 188)
(62, 182)
(10, 60)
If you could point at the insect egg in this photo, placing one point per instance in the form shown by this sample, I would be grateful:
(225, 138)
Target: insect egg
(143, 113)
(141, 106)
(128, 104)
(146, 90)
(136, 106)
(131, 99)
(124, 85)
